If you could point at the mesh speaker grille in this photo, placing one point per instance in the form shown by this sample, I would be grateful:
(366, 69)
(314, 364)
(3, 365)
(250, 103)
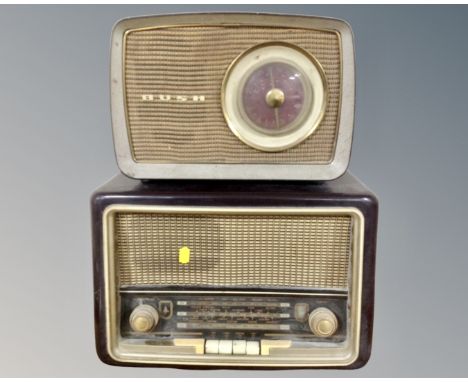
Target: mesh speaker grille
(192, 61)
(233, 250)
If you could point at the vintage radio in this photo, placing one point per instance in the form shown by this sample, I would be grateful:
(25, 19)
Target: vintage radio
(234, 274)
(232, 96)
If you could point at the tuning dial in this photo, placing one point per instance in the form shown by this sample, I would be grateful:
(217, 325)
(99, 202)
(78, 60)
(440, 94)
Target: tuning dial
(144, 318)
(323, 322)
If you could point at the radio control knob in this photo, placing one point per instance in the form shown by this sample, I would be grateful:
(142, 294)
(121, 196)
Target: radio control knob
(144, 318)
(323, 322)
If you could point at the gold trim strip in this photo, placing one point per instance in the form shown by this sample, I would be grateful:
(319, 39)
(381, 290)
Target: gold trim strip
(326, 294)
(197, 343)
(267, 345)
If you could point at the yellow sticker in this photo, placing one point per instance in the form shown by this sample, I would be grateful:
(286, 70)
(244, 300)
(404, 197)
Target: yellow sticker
(184, 255)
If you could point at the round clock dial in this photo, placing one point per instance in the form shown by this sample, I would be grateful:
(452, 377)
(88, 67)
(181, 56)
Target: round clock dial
(274, 96)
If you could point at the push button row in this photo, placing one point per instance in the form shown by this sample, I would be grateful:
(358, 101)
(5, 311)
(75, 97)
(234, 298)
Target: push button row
(235, 347)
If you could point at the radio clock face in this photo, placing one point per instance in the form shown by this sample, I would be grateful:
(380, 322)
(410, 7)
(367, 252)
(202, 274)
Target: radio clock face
(274, 96)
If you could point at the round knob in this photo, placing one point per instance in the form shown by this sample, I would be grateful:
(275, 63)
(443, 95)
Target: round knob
(323, 322)
(144, 318)
(275, 98)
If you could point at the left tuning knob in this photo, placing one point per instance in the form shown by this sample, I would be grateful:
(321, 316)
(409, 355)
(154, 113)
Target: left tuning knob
(144, 318)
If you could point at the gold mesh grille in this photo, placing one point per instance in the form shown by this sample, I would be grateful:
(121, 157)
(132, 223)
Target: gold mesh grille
(233, 250)
(192, 61)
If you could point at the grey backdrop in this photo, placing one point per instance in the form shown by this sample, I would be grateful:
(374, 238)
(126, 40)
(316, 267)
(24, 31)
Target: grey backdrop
(410, 147)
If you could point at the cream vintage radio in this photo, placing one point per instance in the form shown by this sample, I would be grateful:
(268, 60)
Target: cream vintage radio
(232, 96)
(234, 274)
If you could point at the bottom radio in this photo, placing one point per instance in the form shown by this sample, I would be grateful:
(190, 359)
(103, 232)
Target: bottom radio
(219, 274)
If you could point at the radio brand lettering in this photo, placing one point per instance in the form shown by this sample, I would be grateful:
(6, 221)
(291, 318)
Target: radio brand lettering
(170, 97)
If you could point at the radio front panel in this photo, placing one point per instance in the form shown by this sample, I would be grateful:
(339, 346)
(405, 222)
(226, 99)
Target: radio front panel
(222, 286)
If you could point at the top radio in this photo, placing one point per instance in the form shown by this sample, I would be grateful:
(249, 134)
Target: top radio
(232, 96)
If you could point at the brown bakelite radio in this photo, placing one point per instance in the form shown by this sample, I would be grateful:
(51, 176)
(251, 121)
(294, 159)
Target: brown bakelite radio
(232, 96)
(223, 274)
(233, 273)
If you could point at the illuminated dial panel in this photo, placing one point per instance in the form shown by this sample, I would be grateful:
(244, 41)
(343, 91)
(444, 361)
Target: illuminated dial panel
(274, 96)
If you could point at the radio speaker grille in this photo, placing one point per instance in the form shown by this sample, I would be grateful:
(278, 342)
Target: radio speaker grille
(301, 251)
(192, 61)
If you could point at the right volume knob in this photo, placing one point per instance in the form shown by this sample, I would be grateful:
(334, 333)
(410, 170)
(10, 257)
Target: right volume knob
(323, 322)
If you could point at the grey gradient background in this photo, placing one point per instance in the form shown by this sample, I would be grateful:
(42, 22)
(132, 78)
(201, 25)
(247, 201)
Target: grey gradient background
(410, 147)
